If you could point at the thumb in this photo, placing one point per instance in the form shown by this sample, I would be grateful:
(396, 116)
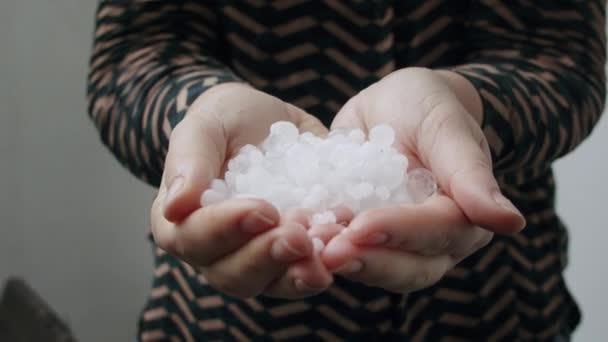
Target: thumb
(196, 154)
(453, 145)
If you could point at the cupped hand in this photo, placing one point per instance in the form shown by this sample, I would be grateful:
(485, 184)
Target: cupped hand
(242, 246)
(405, 248)
(436, 117)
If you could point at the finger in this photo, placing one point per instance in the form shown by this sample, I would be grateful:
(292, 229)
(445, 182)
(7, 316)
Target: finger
(249, 270)
(212, 232)
(485, 237)
(337, 252)
(453, 145)
(304, 216)
(298, 215)
(196, 153)
(302, 279)
(325, 232)
(394, 270)
(434, 227)
(306, 122)
(347, 117)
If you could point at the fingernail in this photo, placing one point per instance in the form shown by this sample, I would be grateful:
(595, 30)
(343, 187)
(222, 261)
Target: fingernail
(376, 239)
(303, 287)
(256, 222)
(176, 186)
(505, 203)
(350, 267)
(282, 250)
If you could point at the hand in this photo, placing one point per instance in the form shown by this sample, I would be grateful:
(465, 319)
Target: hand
(436, 117)
(241, 246)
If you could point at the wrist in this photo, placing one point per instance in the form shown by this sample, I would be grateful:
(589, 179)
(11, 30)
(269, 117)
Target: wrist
(465, 92)
(214, 94)
(224, 89)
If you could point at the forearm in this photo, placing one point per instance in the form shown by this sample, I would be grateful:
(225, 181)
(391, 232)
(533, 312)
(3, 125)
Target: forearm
(148, 65)
(537, 88)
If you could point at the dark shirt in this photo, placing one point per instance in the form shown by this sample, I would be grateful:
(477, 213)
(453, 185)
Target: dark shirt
(538, 67)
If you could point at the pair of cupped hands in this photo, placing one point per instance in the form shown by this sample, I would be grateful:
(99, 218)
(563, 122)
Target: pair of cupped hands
(244, 248)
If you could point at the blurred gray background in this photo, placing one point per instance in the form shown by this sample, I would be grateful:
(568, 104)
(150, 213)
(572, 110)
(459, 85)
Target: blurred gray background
(74, 223)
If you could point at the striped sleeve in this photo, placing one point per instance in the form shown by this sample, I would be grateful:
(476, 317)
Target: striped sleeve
(539, 69)
(150, 61)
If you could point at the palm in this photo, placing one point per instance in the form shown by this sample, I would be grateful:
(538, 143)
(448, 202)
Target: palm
(420, 106)
(434, 130)
(248, 121)
(228, 241)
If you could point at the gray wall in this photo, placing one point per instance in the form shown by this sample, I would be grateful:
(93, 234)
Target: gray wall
(582, 201)
(8, 147)
(74, 223)
(80, 220)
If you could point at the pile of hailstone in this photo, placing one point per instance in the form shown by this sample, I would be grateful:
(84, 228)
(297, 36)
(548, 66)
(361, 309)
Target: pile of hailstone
(300, 170)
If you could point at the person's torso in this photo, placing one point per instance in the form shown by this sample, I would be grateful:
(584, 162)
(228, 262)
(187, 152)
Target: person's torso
(318, 54)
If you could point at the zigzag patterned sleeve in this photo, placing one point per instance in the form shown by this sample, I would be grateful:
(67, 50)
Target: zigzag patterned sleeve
(539, 68)
(150, 60)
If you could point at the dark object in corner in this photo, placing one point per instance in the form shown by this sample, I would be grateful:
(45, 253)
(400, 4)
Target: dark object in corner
(26, 317)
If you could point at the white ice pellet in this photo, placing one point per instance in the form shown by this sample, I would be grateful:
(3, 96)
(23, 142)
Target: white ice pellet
(323, 218)
(230, 177)
(338, 134)
(247, 149)
(210, 197)
(382, 135)
(285, 129)
(383, 193)
(290, 169)
(356, 136)
(361, 190)
(220, 186)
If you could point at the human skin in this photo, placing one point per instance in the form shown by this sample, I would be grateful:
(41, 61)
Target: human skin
(437, 118)
(244, 248)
